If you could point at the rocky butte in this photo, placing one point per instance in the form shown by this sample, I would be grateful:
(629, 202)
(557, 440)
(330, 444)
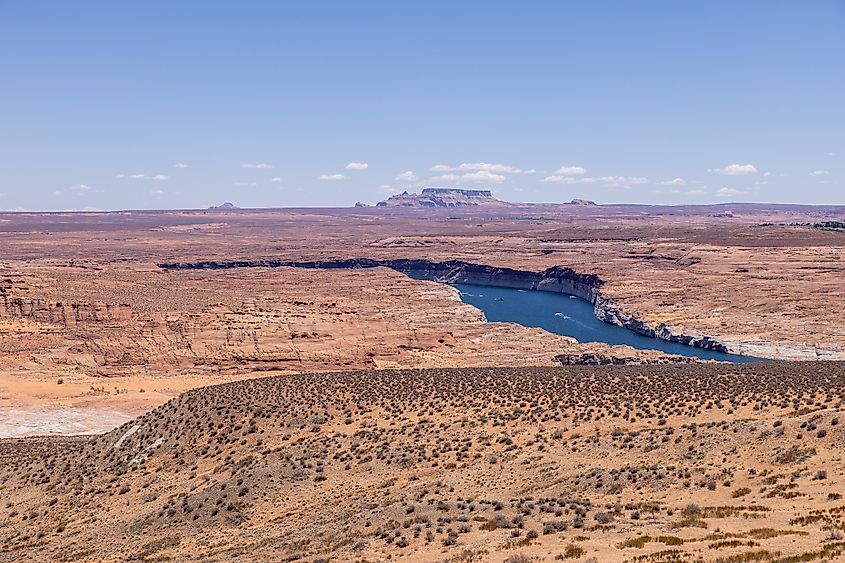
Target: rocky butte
(454, 197)
(442, 197)
(226, 206)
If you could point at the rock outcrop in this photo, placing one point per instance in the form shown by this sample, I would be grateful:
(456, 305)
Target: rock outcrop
(58, 312)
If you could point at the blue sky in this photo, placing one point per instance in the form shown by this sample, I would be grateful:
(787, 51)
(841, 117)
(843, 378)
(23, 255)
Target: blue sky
(116, 105)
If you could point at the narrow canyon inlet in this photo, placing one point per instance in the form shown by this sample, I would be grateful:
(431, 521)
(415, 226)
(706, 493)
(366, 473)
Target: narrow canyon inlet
(569, 315)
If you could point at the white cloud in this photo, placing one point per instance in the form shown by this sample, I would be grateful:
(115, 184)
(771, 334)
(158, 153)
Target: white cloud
(563, 180)
(480, 176)
(766, 174)
(332, 177)
(492, 167)
(407, 176)
(78, 189)
(570, 170)
(761, 183)
(246, 184)
(817, 173)
(606, 181)
(156, 192)
(695, 192)
(736, 170)
(357, 166)
(622, 181)
(258, 166)
(277, 179)
(157, 177)
(181, 165)
(675, 182)
(723, 193)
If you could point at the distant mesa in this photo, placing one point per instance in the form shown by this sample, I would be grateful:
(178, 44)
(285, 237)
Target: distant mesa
(223, 207)
(441, 197)
(453, 197)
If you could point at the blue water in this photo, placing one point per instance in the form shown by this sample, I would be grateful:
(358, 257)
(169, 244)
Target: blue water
(571, 316)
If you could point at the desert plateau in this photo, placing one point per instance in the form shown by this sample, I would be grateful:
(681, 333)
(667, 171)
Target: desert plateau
(253, 387)
(424, 282)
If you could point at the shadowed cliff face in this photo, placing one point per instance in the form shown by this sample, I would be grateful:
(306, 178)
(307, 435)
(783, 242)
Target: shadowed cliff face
(557, 279)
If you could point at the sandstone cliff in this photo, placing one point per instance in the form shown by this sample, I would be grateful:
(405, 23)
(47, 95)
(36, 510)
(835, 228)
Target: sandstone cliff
(556, 279)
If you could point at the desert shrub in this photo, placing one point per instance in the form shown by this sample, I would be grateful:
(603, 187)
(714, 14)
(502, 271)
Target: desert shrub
(604, 517)
(741, 492)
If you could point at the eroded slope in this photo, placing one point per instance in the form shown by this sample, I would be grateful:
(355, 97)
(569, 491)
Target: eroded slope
(692, 463)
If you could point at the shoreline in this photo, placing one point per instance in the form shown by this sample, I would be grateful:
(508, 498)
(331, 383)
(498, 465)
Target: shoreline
(556, 279)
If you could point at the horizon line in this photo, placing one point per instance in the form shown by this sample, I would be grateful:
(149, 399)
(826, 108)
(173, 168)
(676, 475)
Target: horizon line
(426, 209)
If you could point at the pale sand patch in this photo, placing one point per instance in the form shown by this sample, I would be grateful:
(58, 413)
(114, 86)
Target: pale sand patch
(17, 422)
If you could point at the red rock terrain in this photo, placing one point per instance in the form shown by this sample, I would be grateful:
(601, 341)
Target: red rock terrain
(84, 300)
(497, 462)
(745, 274)
(89, 344)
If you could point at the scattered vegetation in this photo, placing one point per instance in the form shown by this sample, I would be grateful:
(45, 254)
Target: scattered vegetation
(443, 461)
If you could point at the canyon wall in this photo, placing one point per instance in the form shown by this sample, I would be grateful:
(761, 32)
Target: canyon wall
(62, 323)
(556, 279)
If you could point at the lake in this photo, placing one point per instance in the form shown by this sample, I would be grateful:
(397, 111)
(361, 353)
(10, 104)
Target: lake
(571, 316)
